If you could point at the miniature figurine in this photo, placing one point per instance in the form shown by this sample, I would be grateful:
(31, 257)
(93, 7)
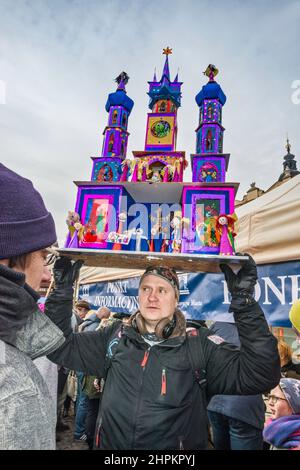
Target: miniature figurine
(138, 238)
(155, 178)
(122, 219)
(177, 224)
(165, 242)
(154, 231)
(76, 229)
(225, 233)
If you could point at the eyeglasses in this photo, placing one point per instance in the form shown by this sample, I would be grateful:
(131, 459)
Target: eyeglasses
(50, 258)
(275, 399)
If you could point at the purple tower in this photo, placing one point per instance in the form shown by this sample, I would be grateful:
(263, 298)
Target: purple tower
(209, 164)
(209, 202)
(119, 105)
(160, 161)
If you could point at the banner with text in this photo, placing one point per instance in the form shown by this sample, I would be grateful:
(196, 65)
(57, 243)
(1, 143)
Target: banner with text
(204, 296)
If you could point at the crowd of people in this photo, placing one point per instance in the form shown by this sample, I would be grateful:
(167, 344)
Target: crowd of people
(150, 381)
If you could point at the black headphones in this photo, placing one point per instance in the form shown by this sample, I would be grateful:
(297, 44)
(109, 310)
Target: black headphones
(163, 329)
(167, 329)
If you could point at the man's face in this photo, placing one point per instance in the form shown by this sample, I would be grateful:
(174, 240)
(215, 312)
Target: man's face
(35, 270)
(157, 300)
(81, 312)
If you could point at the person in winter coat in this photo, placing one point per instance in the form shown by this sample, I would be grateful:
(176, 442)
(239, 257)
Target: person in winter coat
(153, 396)
(282, 430)
(93, 321)
(27, 410)
(237, 421)
(288, 368)
(82, 307)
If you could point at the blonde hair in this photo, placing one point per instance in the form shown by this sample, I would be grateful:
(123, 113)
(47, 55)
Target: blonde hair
(285, 352)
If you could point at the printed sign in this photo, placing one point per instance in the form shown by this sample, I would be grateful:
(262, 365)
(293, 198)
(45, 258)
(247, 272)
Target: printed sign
(205, 296)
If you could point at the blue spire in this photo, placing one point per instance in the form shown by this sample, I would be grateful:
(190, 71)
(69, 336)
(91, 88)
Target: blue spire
(166, 71)
(165, 88)
(119, 98)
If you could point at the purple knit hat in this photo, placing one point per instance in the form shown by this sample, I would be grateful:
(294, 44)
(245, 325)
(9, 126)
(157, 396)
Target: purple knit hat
(25, 223)
(291, 390)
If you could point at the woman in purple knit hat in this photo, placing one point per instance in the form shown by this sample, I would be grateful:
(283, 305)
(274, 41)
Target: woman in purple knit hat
(27, 410)
(282, 430)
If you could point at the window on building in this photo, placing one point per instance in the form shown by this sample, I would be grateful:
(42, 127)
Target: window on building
(114, 117)
(111, 143)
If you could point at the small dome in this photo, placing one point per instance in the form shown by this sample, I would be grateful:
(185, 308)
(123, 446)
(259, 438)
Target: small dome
(119, 98)
(211, 90)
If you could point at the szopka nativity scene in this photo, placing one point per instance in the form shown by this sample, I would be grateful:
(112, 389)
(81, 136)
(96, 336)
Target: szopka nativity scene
(143, 204)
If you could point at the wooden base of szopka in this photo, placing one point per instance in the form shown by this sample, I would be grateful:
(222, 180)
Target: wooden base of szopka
(122, 259)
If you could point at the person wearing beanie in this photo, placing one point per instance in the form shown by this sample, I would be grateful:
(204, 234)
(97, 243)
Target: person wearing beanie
(282, 430)
(157, 374)
(27, 410)
(25, 224)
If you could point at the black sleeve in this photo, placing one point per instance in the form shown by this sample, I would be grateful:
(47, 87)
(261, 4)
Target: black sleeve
(251, 369)
(84, 351)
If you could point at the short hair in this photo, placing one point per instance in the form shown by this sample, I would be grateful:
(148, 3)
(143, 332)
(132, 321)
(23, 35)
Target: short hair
(83, 304)
(19, 260)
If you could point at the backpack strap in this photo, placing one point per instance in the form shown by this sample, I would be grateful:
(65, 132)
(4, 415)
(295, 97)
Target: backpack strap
(113, 345)
(197, 360)
(198, 363)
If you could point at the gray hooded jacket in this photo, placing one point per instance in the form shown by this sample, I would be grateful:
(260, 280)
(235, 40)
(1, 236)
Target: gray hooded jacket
(27, 411)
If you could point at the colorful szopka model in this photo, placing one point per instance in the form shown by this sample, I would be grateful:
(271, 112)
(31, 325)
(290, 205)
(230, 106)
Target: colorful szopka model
(155, 176)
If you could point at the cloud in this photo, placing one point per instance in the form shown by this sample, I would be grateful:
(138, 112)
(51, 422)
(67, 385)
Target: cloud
(59, 59)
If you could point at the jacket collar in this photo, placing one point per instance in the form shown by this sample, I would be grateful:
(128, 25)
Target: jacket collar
(12, 275)
(135, 337)
(176, 339)
(17, 278)
(22, 324)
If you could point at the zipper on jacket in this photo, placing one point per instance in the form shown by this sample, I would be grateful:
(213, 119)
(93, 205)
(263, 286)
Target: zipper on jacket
(163, 382)
(145, 358)
(97, 440)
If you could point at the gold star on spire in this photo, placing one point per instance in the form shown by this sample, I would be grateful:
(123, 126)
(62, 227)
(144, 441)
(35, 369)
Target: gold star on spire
(167, 51)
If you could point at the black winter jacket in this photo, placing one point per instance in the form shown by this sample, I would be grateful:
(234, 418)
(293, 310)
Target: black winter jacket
(155, 403)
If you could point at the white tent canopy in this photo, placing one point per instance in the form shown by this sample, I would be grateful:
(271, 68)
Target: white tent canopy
(90, 275)
(269, 226)
(269, 229)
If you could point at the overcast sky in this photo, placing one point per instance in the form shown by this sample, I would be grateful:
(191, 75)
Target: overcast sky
(59, 58)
